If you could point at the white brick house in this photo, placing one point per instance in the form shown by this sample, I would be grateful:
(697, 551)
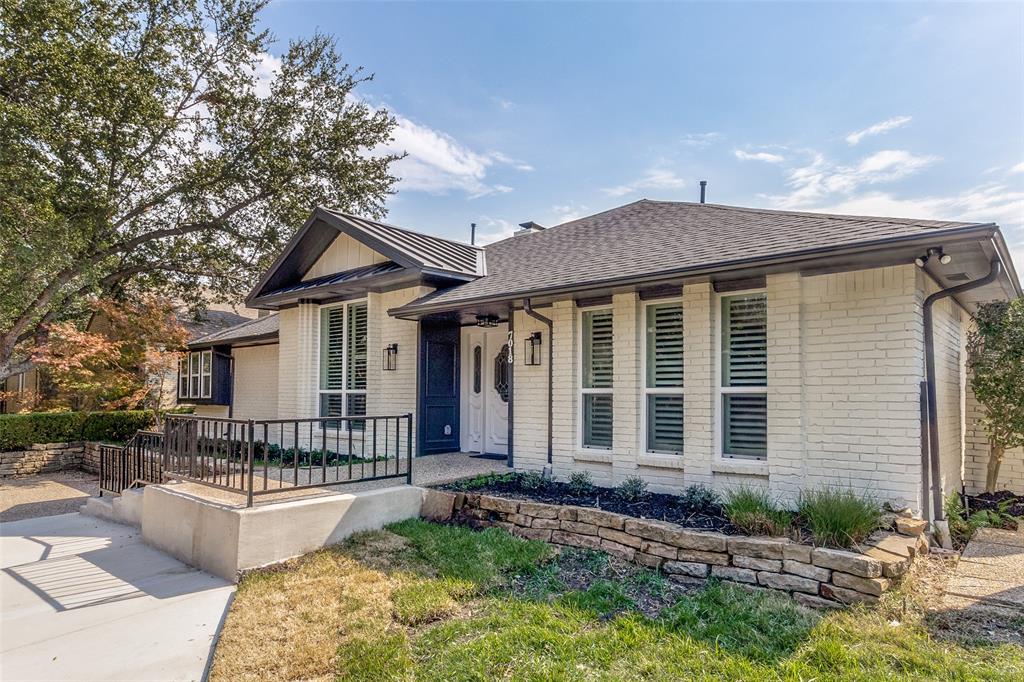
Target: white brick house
(684, 343)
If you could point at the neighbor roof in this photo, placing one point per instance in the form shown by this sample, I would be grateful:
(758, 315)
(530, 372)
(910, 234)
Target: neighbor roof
(251, 330)
(209, 322)
(647, 238)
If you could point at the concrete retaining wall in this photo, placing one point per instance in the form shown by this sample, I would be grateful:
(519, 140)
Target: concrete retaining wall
(815, 576)
(226, 540)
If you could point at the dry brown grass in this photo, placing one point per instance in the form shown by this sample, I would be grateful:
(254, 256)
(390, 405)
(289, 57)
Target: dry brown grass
(287, 624)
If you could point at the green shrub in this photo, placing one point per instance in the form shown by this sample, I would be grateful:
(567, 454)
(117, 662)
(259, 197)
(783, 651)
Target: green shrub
(700, 497)
(115, 426)
(532, 480)
(22, 430)
(839, 517)
(755, 512)
(581, 483)
(633, 489)
(962, 525)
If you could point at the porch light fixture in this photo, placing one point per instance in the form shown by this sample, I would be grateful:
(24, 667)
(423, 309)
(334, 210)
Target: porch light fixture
(389, 359)
(531, 356)
(944, 258)
(487, 320)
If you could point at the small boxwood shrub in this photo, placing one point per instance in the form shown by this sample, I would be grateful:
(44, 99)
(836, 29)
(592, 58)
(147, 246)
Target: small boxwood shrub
(581, 483)
(18, 431)
(632, 490)
(755, 512)
(839, 517)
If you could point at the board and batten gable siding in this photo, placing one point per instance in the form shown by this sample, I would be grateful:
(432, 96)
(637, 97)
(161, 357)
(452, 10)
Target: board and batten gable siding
(845, 361)
(344, 253)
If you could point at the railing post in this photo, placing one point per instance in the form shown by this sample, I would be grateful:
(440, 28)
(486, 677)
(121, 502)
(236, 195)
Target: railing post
(408, 448)
(248, 464)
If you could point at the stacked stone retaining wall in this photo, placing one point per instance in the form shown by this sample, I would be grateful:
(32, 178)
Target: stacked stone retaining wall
(819, 577)
(46, 458)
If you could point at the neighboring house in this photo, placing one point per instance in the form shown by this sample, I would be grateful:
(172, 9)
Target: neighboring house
(683, 343)
(23, 390)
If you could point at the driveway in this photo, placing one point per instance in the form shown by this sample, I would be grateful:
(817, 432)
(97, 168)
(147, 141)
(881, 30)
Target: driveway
(84, 599)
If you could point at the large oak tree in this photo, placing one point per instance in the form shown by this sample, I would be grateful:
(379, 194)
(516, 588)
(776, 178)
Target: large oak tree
(155, 145)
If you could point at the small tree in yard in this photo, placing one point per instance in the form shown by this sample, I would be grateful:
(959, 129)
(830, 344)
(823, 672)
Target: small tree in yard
(159, 146)
(996, 360)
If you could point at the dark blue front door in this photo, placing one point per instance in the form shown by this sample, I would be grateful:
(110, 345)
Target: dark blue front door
(439, 387)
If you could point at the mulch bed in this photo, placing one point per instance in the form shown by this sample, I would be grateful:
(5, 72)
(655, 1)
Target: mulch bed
(993, 500)
(654, 505)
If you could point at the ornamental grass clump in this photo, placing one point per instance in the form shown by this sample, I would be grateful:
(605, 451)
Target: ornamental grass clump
(839, 517)
(755, 512)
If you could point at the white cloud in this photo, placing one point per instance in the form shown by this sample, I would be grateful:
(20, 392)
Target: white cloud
(700, 139)
(567, 212)
(758, 156)
(821, 179)
(490, 230)
(878, 128)
(437, 163)
(1019, 168)
(503, 104)
(656, 178)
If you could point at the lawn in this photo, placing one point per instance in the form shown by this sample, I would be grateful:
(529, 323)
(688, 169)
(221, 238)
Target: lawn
(429, 602)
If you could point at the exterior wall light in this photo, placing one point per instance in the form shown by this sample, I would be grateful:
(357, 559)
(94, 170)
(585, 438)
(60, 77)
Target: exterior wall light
(389, 360)
(532, 355)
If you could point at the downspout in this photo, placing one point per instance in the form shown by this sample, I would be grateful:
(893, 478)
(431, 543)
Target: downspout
(995, 269)
(528, 307)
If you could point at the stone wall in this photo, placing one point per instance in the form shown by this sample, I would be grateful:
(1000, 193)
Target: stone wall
(45, 458)
(815, 576)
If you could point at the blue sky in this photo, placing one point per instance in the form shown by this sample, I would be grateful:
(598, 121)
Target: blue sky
(521, 111)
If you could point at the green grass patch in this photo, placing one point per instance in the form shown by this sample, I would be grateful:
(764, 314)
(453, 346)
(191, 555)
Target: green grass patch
(428, 602)
(839, 517)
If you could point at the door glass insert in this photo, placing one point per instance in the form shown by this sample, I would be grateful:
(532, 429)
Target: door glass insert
(501, 373)
(477, 368)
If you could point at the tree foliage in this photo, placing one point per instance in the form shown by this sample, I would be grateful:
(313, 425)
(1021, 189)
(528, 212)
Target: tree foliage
(156, 145)
(996, 360)
(125, 362)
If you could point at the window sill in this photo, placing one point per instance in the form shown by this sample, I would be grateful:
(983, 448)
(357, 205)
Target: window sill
(597, 456)
(752, 467)
(660, 461)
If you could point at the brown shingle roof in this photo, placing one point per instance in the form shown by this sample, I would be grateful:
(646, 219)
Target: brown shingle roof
(266, 326)
(647, 237)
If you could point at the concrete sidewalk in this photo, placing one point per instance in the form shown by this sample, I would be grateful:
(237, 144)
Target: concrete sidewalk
(990, 574)
(84, 599)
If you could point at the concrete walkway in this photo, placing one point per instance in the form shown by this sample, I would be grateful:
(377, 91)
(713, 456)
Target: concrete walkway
(990, 574)
(86, 600)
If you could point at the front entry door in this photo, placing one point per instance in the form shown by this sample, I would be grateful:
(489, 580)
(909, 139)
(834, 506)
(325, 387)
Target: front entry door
(486, 390)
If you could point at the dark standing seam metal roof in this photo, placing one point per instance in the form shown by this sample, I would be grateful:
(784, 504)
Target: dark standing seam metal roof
(647, 237)
(339, 277)
(432, 252)
(260, 327)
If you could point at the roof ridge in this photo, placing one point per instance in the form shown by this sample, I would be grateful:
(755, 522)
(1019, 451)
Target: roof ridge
(240, 325)
(403, 229)
(816, 214)
(547, 230)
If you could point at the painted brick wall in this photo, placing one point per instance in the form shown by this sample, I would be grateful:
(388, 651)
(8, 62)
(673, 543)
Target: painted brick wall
(530, 395)
(256, 380)
(297, 369)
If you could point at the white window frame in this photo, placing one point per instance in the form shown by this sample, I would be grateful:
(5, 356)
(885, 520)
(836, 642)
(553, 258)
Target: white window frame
(720, 390)
(193, 367)
(592, 391)
(344, 392)
(646, 391)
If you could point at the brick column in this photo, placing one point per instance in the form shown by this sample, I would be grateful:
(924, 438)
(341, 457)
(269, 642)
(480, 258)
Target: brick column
(698, 383)
(564, 397)
(786, 459)
(626, 393)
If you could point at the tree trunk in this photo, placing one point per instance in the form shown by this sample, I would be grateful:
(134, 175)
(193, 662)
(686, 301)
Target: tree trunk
(995, 458)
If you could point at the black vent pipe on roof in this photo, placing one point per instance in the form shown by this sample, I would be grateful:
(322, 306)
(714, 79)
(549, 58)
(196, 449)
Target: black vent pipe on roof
(703, 188)
(934, 471)
(472, 234)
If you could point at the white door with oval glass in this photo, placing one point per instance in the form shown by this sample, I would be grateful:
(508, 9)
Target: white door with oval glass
(485, 390)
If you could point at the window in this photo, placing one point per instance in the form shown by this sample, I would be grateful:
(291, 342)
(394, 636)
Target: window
(477, 367)
(596, 388)
(343, 361)
(501, 373)
(663, 388)
(195, 375)
(743, 386)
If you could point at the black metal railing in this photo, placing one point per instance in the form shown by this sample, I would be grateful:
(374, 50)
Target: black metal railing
(261, 457)
(138, 462)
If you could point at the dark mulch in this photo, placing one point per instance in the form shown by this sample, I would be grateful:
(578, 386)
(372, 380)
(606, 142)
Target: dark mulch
(654, 505)
(994, 500)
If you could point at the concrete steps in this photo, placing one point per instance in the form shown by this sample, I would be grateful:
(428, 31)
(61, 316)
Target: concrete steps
(126, 509)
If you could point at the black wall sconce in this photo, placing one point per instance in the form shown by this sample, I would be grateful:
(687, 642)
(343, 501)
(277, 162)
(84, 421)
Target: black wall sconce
(389, 361)
(532, 354)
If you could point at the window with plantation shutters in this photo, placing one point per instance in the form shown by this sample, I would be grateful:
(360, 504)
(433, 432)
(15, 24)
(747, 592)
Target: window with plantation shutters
(343, 355)
(664, 383)
(744, 375)
(596, 385)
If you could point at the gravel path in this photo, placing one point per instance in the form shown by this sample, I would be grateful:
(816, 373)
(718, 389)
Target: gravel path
(45, 494)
